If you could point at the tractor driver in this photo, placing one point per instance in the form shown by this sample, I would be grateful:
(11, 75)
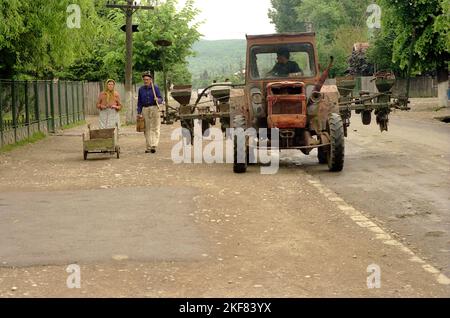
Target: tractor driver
(284, 66)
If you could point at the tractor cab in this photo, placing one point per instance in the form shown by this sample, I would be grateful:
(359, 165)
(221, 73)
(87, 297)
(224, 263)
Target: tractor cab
(281, 72)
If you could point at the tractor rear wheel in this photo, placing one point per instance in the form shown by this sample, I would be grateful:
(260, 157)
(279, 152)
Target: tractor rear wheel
(239, 121)
(336, 151)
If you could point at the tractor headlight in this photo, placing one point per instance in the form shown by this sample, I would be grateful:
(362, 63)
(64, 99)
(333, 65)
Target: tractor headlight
(257, 98)
(257, 103)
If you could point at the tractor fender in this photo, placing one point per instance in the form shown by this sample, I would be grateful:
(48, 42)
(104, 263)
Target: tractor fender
(330, 97)
(327, 104)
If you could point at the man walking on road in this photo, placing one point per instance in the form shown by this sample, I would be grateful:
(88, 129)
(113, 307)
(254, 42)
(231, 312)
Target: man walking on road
(148, 108)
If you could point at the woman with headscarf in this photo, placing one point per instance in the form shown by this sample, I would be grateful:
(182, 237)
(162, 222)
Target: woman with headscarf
(109, 105)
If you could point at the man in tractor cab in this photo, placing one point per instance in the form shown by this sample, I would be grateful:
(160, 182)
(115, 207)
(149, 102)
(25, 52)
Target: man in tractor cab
(284, 66)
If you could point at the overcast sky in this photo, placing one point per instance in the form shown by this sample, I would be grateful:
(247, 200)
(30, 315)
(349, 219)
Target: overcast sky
(232, 19)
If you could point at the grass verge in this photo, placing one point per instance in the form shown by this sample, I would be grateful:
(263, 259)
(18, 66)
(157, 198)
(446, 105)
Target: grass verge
(31, 140)
(74, 125)
(36, 137)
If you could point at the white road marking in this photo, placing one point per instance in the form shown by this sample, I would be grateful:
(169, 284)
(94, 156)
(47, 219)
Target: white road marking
(361, 220)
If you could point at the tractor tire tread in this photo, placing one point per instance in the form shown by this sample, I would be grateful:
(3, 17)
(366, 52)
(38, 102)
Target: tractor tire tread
(337, 136)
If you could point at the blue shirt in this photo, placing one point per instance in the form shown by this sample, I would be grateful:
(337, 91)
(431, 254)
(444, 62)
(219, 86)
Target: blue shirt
(146, 97)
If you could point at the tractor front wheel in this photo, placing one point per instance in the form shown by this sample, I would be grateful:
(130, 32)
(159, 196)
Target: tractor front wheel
(239, 167)
(336, 152)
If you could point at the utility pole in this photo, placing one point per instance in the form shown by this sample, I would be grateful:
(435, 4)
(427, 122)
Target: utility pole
(164, 44)
(411, 57)
(129, 9)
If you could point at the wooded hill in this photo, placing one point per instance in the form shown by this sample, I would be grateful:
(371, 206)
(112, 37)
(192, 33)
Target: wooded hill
(216, 60)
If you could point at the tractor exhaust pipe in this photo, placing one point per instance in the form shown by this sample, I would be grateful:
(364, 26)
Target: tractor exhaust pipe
(316, 96)
(324, 76)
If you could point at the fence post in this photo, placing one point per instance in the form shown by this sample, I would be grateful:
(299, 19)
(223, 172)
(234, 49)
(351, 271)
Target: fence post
(1, 117)
(78, 101)
(73, 103)
(27, 108)
(67, 104)
(84, 105)
(46, 103)
(14, 110)
(60, 103)
(37, 112)
(52, 109)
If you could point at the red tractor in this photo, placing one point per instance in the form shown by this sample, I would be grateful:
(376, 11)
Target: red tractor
(284, 90)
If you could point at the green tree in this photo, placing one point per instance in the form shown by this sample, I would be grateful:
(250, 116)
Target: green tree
(11, 26)
(166, 23)
(330, 16)
(179, 75)
(380, 53)
(284, 16)
(421, 27)
(105, 58)
(35, 40)
(338, 25)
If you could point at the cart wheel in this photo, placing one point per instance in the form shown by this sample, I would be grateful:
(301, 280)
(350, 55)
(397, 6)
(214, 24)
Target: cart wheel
(85, 155)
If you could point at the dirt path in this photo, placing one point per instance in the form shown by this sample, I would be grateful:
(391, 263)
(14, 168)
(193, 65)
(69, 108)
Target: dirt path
(189, 230)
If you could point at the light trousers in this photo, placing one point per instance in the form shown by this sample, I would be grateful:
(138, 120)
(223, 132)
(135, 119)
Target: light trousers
(152, 126)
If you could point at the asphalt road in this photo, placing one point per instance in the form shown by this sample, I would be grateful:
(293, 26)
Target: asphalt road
(401, 178)
(142, 226)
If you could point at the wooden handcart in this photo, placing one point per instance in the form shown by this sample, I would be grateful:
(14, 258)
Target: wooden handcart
(102, 141)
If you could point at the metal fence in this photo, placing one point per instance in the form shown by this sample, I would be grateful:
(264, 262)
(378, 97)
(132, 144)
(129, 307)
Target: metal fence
(28, 107)
(420, 87)
(92, 91)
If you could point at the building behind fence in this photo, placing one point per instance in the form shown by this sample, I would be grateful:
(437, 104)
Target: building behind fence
(29, 107)
(93, 89)
(420, 87)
